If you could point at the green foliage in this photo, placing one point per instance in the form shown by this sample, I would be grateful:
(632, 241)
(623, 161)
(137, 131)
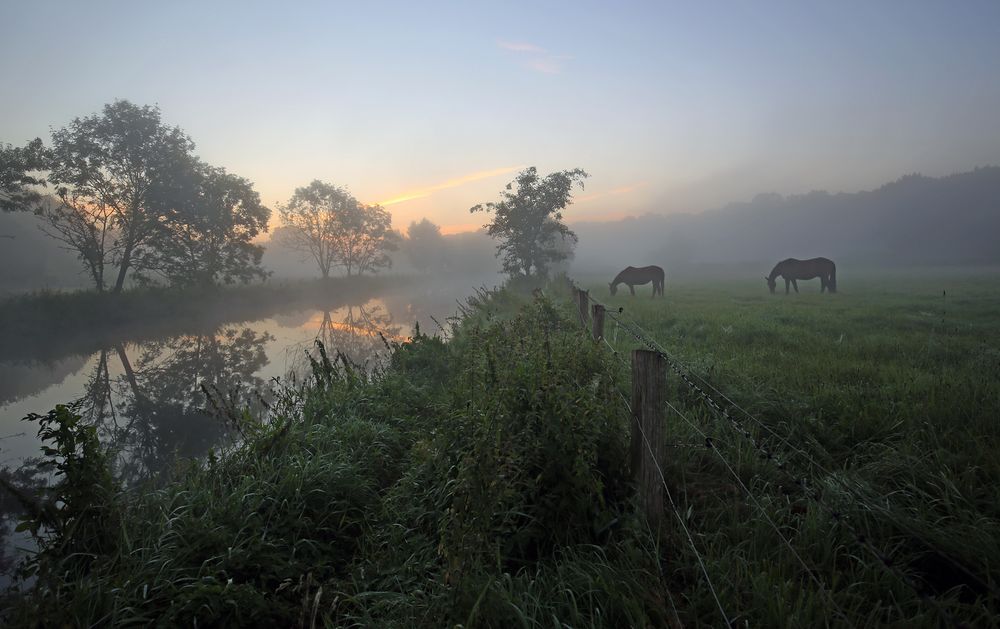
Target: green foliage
(130, 198)
(425, 246)
(115, 174)
(19, 187)
(477, 482)
(327, 224)
(206, 237)
(892, 387)
(528, 221)
(77, 520)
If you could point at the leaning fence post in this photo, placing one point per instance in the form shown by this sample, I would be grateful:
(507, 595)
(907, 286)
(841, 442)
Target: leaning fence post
(598, 330)
(648, 387)
(584, 296)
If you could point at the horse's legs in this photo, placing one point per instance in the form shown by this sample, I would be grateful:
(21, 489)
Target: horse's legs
(795, 283)
(787, 284)
(822, 284)
(631, 288)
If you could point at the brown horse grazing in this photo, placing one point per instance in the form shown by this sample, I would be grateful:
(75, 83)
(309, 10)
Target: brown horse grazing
(638, 276)
(792, 270)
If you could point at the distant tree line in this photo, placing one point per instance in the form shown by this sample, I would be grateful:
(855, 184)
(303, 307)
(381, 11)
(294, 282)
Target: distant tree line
(915, 220)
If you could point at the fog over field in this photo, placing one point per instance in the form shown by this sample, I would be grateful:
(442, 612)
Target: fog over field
(914, 221)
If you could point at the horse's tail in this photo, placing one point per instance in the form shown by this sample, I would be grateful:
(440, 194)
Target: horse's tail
(832, 284)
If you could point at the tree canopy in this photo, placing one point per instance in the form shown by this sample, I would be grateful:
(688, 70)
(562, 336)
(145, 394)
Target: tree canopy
(18, 181)
(116, 174)
(327, 224)
(425, 245)
(528, 220)
(207, 237)
(129, 198)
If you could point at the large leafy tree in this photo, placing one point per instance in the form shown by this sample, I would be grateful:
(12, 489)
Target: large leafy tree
(425, 245)
(206, 235)
(20, 179)
(329, 225)
(311, 221)
(365, 239)
(85, 228)
(116, 174)
(528, 220)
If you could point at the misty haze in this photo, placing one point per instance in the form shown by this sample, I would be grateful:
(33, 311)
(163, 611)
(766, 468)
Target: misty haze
(450, 314)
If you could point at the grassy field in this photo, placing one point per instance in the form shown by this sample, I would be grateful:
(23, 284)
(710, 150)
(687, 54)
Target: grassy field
(484, 481)
(880, 407)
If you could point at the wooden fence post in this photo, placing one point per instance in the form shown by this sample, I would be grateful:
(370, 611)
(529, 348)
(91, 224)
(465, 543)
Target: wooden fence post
(584, 296)
(598, 322)
(649, 374)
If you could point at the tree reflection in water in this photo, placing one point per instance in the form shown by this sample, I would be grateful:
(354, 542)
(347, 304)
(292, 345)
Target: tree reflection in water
(358, 335)
(154, 410)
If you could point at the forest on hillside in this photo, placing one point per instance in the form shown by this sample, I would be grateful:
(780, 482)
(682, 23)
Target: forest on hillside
(916, 220)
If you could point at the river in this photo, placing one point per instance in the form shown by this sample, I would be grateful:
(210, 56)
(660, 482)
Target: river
(146, 391)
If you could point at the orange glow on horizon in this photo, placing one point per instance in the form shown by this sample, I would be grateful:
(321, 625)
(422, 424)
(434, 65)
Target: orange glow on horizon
(426, 191)
(460, 228)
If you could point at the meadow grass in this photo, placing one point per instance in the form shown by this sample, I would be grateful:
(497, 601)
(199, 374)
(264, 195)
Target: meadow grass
(882, 401)
(483, 481)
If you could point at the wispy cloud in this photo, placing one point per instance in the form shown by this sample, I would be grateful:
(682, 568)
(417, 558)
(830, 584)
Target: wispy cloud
(518, 46)
(538, 59)
(419, 193)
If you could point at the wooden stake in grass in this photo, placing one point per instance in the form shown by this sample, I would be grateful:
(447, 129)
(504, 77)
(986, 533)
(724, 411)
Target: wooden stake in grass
(584, 296)
(598, 329)
(649, 375)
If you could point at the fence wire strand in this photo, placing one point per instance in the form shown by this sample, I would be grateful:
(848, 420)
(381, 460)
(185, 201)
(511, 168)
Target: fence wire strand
(686, 374)
(677, 514)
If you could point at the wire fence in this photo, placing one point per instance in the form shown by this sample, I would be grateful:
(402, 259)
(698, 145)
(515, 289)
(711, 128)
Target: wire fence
(787, 458)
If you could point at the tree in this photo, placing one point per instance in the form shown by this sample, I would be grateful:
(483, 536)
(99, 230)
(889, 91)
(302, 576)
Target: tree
(528, 220)
(310, 220)
(365, 239)
(329, 225)
(114, 174)
(18, 187)
(85, 228)
(425, 245)
(206, 238)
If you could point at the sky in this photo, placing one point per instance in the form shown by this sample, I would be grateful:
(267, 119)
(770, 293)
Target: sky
(432, 107)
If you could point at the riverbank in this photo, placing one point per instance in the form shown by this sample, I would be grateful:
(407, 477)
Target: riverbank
(482, 481)
(463, 483)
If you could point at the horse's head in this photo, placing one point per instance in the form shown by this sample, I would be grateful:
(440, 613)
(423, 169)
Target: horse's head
(770, 283)
(614, 288)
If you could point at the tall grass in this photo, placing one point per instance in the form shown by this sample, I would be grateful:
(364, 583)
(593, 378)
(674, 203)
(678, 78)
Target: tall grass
(479, 482)
(892, 387)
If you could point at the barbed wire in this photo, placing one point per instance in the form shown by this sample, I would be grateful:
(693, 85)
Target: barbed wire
(886, 562)
(677, 514)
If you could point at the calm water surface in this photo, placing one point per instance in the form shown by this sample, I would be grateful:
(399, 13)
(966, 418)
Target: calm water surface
(147, 397)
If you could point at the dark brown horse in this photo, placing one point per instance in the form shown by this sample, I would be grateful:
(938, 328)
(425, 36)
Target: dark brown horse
(634, 276)
(792, 270)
